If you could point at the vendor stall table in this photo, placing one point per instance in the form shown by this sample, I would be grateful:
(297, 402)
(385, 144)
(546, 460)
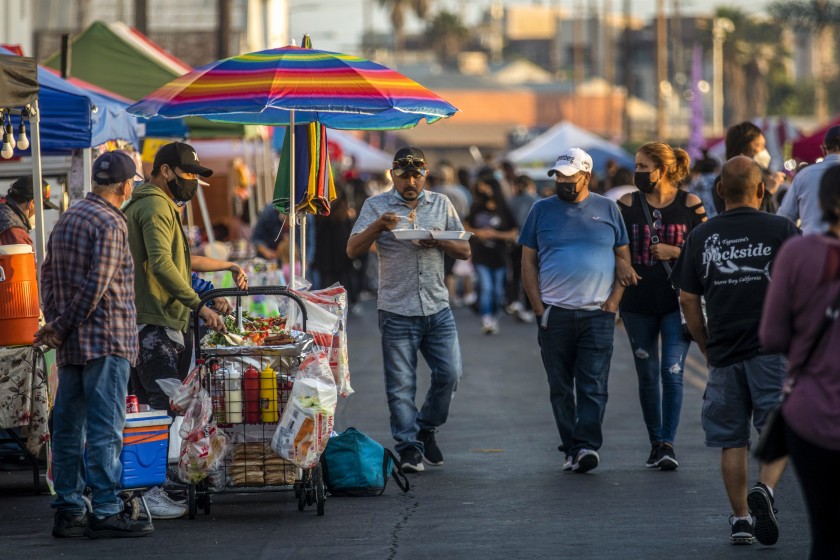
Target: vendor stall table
(24, 401)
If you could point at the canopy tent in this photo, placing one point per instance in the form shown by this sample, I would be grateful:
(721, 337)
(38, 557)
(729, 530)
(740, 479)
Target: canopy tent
(366, 158)
(809, 148)
(542, 151)
(76, 118)
(123, 60)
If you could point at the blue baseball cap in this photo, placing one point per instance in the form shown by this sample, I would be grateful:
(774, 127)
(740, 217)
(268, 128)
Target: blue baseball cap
(114, 167)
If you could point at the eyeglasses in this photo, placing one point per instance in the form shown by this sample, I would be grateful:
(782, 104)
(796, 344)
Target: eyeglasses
(657, 219)
(409, 161)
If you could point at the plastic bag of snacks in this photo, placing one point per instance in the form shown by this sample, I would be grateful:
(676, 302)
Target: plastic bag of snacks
(202, 444)
(307, 421)
(327, 322)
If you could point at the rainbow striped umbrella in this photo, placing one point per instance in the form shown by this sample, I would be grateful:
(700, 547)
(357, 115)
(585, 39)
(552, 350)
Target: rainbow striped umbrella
(338, 90)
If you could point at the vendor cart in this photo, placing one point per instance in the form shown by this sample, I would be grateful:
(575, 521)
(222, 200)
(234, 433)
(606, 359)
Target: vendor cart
(249, 386)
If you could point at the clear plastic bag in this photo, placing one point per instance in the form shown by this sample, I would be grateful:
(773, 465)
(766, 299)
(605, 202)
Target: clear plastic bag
(181, 393)
(327, 322)
(201, 453)
(307, 421)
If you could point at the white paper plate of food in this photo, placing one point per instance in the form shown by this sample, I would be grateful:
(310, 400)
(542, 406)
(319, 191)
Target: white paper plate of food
(411, 234)
(451, 235)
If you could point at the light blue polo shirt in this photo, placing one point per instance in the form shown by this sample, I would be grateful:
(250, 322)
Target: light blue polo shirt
(575, 244)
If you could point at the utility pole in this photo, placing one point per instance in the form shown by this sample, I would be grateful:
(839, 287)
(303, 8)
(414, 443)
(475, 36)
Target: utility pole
(626, 74)
(141, 16)
(223, 36)
(661, 69)
(577, 55)
(720, 27)
(609, 66)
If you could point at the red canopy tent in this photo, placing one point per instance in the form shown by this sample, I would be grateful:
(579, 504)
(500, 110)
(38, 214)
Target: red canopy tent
(807, 148)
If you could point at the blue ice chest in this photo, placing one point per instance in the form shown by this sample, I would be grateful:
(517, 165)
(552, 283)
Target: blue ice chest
(145, 446)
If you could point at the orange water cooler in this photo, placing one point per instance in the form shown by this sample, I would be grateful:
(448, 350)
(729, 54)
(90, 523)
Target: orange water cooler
(19, 306)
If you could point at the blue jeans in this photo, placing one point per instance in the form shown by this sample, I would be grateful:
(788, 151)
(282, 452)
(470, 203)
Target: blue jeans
(436, 337)
(576, 350)
(89, 406)
(661, 413)
(491, 289)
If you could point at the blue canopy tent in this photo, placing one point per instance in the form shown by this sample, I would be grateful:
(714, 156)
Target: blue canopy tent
(75, 118)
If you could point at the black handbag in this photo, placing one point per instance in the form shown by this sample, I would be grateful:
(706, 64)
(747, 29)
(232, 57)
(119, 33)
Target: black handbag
(772, 442)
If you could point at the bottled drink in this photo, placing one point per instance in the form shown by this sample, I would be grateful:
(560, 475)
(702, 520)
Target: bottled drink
(217, 392)
(268, 396)
(233, 396)
(251, 388)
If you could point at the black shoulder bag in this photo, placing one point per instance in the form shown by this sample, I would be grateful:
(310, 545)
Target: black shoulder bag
(772, 443)
(654, 239)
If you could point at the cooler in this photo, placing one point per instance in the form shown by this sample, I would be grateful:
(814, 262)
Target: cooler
(145, 445)
(19, 306)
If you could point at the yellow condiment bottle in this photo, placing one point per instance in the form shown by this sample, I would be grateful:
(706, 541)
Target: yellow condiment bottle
(269, 412)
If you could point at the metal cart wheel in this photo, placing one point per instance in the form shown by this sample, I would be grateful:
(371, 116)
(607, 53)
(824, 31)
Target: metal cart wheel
(320, 492)
(204, 497)
(131, 504)
(300, 494)
(192, 504)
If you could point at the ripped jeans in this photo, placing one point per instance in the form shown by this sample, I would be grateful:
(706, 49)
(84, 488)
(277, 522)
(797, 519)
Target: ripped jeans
(661, 411)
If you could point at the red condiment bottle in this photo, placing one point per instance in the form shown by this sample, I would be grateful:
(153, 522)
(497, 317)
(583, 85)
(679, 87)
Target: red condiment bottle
(251, 388)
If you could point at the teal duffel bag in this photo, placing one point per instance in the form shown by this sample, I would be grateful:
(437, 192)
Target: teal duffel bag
(356, 465)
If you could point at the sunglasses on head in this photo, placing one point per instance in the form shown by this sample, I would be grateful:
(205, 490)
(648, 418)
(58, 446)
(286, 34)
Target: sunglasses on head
(409, 161)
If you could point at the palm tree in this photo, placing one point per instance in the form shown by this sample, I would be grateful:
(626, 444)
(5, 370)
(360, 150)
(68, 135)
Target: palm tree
(446, 34)
(750, 53)
(821, 19)
(398, 10)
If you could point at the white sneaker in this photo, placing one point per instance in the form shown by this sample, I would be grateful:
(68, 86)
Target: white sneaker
(161, 506)
(487, 324)
(470, 298)
(525, 316)
(494, 326)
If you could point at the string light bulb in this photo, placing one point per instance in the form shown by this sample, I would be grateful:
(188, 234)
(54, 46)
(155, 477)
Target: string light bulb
(22, 140)
(10, 133)
(8, 148)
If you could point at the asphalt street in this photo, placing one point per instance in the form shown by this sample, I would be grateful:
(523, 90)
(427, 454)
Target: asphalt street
(501, 493)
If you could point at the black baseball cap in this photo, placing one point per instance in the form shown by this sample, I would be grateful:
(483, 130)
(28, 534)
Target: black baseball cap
(114, 167)
(409, 159)
(182, 156)
(22, 189)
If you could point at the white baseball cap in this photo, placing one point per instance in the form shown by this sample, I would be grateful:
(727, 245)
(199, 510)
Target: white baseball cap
(570, 162)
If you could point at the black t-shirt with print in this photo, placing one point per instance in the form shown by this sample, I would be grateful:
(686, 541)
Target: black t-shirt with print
(727, 260)
(491, 252)
(654, 295)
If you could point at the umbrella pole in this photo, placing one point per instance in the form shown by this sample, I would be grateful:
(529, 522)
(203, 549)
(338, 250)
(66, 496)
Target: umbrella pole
(292, 201)
(35, 131)
(303, 246)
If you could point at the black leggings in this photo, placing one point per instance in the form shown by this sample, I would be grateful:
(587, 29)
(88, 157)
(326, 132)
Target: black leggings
(818, 470)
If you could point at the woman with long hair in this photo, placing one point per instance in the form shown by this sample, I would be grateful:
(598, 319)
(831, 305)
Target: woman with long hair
(658, 218)
(796, 320)
(493, 227)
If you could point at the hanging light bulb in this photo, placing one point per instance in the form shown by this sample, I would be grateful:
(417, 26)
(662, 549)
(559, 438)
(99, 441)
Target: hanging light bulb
(10, 132)
(8, 149)
(22, 140)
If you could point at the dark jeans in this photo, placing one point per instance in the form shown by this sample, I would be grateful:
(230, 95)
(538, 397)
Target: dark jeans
(661, 410)
(817, 469)
(576, 350)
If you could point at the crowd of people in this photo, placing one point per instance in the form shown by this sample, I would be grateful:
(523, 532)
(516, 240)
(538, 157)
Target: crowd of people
(679, 252)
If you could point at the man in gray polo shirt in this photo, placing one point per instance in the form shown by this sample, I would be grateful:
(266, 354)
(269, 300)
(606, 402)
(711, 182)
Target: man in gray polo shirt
(413, 303)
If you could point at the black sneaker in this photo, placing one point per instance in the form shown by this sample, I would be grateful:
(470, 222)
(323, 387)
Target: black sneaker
(117, 525)
(667, 459)
(761, 507)
(585, 461)
(742, 531)
(411, 460)
(431, 451)
(654, 455)
(68, 524)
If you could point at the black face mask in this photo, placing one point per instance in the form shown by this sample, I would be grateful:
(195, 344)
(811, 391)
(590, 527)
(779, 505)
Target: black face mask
(566, 192)
(183, 190)
(642, 181)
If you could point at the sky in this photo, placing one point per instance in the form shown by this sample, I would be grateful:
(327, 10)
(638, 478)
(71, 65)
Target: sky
(337, 25)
